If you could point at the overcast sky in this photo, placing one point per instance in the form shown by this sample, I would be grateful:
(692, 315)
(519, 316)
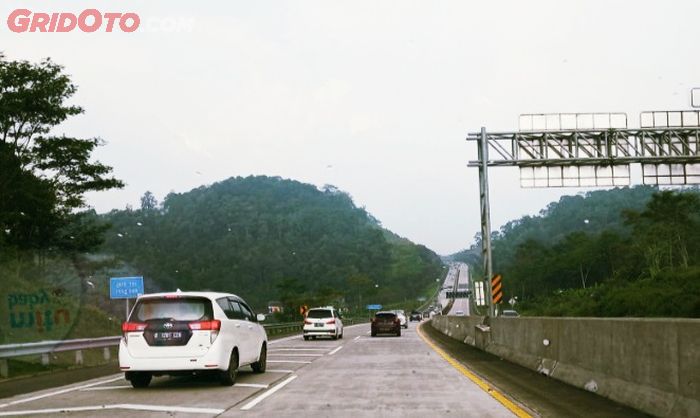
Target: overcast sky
(374, 97)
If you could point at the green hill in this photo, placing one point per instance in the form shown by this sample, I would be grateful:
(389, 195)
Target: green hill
(266, 238)
(603, 253)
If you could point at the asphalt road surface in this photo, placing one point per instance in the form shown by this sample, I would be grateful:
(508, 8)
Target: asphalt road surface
(461, 304)
(357, 376)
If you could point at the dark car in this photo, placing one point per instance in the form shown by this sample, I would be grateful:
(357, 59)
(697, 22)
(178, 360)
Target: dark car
(386, 323)
(416, 316)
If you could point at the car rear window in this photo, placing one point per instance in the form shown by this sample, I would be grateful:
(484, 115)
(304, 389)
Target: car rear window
(386, 315)
(179, 309)
(320, 313)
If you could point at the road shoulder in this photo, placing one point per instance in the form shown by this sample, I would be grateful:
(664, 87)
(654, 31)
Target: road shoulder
(542, 395)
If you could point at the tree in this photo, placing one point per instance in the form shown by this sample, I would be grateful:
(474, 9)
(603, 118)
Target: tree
(666, 231)
(148, 202)
(43, 177)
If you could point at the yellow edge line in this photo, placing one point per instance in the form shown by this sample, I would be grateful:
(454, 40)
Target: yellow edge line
(518, 411)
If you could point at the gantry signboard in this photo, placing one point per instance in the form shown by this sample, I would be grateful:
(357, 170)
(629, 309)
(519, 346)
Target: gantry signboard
(668, 150)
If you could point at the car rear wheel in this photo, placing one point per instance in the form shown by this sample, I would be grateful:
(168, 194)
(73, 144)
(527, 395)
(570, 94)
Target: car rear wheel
(306, 337)
(228, 377)
(398, 333)
(260, 365)
(374, 333)
(140, 380)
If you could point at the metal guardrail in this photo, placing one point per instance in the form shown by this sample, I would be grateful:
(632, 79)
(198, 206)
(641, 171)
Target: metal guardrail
(45, 348)
(48, 347)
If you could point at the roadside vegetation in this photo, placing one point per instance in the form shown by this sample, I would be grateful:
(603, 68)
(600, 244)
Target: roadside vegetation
(622, 252)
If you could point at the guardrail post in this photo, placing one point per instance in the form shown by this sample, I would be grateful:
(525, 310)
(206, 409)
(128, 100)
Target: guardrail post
(79, 357)
(45, 359)
(4, 368)
(106, 353)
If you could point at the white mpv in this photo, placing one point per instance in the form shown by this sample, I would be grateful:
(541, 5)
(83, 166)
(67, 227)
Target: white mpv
(191, 333)
(323, 322)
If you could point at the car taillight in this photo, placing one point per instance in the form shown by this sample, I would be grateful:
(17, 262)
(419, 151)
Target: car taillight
(214, 326)
(330, 321)
(374, 320)
(133, 326)
(397, 321)
(307, 322)
(128, 327)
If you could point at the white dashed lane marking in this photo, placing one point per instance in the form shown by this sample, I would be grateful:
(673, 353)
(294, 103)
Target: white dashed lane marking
(269, 392)
(335, 351)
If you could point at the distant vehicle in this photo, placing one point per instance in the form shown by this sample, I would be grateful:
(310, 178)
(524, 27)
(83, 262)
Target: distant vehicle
(402, 318)
(184, 333)
(386, 322)
(323, 322)
(459, 313)
(510, 313)
(416, 316)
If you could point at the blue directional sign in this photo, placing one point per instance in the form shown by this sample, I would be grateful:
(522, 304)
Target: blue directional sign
(374, 307)
(125, 287)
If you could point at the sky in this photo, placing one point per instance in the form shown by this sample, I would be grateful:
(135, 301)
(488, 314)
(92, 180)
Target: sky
(375, 97)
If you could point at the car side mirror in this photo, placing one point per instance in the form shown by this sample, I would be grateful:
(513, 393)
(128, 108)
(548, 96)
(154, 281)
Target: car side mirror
(260, 317)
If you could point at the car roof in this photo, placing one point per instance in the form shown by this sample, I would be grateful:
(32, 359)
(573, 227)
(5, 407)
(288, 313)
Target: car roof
(386, 312)
(180, 294)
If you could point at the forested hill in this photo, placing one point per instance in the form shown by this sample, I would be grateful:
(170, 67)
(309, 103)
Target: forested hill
(621, 252)
(590, 213)
(266, 238)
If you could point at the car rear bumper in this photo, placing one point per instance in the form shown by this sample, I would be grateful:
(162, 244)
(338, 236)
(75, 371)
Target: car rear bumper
(386, 330)
(327, 330)
(214, 359)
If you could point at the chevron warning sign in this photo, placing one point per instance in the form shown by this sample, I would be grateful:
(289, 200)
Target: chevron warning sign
(496, 289)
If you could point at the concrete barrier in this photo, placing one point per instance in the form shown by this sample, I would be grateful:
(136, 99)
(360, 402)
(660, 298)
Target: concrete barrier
(649, 364)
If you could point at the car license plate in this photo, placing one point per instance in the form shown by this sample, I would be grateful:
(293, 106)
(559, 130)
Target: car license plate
(168, 335)
(318, 325)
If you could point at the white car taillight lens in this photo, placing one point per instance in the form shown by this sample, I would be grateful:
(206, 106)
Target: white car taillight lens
(128, 327)
(213, 326)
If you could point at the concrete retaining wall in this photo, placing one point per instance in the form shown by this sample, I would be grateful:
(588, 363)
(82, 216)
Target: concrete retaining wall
(649, 364)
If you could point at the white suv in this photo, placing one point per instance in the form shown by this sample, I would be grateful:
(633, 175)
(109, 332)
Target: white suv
(191, 333)
(402, 317)
(321, 322)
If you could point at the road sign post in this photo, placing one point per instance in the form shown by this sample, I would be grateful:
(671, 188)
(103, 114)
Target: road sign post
(483, 151)
(126, 288)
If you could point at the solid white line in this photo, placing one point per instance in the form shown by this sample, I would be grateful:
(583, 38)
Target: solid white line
(160, 408)
(335, 351)
(289, 361)
(53, 410)
(260, 398)
(279, 371)
(105, 388)
(138, 407)
(60, 392)
(295, 355)
(297, 349)
(252, 385)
